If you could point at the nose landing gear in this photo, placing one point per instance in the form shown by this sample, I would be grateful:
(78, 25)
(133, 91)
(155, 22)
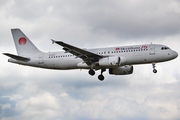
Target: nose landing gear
(155, 71)
(154, 66)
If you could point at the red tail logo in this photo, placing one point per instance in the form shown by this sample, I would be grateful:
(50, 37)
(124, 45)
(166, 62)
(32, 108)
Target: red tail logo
(22, 41)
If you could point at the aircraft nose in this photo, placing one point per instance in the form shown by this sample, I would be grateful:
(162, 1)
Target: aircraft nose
(175, 54)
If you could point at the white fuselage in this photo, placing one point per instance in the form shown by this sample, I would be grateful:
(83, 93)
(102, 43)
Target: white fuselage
(118, 60)
(138, 54)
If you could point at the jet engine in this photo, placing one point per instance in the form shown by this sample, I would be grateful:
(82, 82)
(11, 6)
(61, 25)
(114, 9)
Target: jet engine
(111, 61)
(124, 70)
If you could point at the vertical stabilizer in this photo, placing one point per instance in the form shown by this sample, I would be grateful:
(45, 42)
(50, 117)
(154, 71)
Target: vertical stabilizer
(23, 45)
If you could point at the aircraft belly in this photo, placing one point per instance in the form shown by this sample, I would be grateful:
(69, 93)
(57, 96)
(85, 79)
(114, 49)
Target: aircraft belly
(64, 64)
(71, 64)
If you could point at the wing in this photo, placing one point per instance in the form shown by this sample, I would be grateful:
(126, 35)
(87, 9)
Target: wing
(87, 56)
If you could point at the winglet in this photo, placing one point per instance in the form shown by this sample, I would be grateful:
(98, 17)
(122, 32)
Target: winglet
(53, 41)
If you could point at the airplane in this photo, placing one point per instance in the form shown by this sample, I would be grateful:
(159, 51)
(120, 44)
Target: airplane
(118, 60)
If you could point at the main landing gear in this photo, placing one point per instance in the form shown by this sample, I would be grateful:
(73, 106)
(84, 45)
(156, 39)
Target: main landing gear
(100, 77)
(154, 66)
(91, 72)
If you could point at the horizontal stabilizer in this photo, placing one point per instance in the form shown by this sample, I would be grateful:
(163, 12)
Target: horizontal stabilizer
(17, 57)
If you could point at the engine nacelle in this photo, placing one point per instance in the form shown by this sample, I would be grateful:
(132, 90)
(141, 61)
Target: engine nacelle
(112, 61)
(124, 70)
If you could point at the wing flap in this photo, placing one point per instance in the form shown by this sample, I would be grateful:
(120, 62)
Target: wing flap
(17, 57)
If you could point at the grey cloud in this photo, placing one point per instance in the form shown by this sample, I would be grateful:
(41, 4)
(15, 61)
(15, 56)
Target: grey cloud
(122, 19)
(94, 21)
(119, 101)
(133, 21)
(79, 88)
(7, 112)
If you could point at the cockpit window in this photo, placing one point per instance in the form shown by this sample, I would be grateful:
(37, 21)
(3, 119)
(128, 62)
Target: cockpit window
(165, 48)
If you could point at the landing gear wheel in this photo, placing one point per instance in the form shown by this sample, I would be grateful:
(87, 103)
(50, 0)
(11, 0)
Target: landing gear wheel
(154, 66)
(101, 77)
(91, 72)
(155, 71)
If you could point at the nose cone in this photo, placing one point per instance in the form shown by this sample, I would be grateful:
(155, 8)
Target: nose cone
(175, 54)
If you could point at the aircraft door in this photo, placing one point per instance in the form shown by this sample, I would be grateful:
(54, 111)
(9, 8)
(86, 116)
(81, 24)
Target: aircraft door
(152, 49)
(41, 61)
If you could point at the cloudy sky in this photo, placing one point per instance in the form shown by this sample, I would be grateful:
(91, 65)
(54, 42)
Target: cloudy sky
(39, 94)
